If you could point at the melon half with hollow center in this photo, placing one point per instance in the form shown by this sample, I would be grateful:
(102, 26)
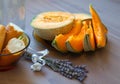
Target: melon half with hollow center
(49, 24)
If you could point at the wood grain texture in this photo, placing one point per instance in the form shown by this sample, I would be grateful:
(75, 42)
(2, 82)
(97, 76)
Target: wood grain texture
(103, 64)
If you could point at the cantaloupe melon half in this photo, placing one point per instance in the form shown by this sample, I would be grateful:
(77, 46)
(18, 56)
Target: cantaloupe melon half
(49, 24)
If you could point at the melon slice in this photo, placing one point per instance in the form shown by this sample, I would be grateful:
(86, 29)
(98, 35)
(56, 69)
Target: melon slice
(89, 42)
(75, 42)
(59, 41)
(99, 29)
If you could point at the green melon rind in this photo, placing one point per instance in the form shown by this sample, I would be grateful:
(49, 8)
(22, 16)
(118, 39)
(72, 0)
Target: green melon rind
(70, 48)
(32, 21)
(54, 44)
(86, 44)
(89, 45)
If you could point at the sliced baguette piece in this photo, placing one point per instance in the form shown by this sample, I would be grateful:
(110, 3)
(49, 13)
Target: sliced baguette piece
(12, 32)
(14, 45)
(2, 36)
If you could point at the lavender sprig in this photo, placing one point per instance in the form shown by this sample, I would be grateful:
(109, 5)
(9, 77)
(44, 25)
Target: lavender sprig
(64, 67)
(67, 69)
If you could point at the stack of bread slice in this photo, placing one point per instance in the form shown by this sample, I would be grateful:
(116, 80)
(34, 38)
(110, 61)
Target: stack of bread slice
(9, 42)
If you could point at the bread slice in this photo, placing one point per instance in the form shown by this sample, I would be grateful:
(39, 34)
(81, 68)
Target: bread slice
(2, 36)
(13, 31)
(14, 45)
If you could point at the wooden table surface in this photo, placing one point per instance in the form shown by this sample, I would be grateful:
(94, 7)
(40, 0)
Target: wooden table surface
(103, 64)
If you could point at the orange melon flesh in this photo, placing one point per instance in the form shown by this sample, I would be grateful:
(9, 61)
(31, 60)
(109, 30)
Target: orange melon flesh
(61, 39)
(76, 41)
(99, 30)
(97, 20)
(74, 44)
(92, 42)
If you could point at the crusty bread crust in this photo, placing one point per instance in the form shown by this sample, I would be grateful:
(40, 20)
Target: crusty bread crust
(11, 33)
(5, 51)
(13, 46)
(2, 36)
